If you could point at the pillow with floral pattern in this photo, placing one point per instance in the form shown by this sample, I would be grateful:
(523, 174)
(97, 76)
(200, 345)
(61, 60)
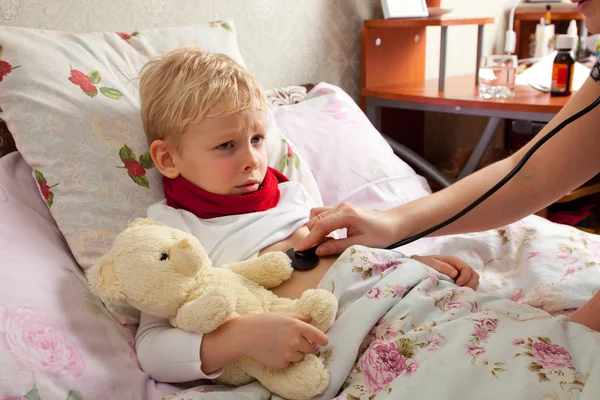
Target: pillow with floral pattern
(7, 143)
(287, 95)
(71, 103)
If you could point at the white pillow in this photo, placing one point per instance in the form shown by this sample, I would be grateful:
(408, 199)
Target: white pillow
(71, 103)
(349, 158)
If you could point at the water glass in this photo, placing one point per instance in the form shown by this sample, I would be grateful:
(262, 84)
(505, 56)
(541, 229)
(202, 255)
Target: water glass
(497, 75)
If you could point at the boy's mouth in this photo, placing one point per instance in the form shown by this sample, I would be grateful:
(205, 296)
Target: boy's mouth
(249, 186)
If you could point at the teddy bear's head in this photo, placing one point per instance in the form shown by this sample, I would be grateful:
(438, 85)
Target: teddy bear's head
(150, 266)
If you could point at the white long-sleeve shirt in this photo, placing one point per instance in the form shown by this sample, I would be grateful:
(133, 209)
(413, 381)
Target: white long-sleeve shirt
(170, 354)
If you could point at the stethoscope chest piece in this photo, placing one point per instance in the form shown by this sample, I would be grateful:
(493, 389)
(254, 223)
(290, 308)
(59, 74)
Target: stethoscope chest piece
(303, 260)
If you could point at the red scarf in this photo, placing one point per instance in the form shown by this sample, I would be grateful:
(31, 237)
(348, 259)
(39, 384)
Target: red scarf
(181, 193)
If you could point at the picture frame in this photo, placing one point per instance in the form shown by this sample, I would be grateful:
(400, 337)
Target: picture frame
(404, 8)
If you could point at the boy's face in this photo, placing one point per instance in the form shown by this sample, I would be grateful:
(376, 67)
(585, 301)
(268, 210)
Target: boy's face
(224, 155)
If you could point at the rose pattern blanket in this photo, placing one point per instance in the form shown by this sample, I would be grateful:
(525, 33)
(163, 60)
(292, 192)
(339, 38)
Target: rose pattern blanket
(405, 331)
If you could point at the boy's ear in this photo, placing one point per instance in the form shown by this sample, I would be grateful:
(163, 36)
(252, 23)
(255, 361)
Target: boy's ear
(162, 155)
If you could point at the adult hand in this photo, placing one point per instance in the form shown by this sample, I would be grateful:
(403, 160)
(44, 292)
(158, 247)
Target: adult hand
(364, 227)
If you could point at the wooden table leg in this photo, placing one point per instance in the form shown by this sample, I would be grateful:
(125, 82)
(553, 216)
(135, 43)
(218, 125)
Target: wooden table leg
(479, 52)
(443, 50)
(482, 144)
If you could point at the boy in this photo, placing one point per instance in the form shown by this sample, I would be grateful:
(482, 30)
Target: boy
(205, 119)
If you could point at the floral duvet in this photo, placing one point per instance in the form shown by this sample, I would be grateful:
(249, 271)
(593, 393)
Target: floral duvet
(405, 331)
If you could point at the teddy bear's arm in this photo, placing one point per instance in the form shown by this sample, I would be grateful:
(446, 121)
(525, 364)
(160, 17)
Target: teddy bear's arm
(207, 312)
(269, 270)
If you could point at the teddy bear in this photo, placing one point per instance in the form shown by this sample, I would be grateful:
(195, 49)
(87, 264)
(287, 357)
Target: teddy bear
(165, 272)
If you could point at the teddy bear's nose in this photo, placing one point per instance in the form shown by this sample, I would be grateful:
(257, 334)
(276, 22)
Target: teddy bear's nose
(185, 258)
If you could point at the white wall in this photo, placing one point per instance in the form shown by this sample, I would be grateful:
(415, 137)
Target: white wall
(462, 40)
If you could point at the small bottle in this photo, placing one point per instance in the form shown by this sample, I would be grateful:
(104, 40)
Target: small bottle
(564, 65)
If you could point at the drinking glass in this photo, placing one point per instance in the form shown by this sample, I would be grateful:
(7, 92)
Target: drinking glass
(497, 75)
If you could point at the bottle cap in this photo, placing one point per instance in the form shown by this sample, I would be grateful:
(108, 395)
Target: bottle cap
(566, 42)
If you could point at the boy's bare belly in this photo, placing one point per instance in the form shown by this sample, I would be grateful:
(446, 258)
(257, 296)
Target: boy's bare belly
(300, 280)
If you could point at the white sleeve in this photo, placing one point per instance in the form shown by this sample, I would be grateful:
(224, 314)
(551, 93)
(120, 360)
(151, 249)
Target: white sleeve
(169, 354)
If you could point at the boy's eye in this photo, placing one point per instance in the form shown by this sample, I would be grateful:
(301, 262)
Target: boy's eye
(256, 139)
(224, 146)
(164, 256)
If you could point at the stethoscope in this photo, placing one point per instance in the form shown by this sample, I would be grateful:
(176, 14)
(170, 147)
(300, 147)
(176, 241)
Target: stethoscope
(308, 259)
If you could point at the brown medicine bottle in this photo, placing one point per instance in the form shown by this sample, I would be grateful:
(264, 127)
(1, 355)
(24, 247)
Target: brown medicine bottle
(564, 66)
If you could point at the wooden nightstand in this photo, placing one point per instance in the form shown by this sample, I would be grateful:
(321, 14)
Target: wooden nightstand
(395, 95)
(393, 50)
(393, 55)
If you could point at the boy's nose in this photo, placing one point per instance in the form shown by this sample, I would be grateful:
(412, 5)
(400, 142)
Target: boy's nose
(251, 162)
(250, 167)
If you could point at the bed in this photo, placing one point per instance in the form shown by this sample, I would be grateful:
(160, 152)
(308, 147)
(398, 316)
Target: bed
(69, 188)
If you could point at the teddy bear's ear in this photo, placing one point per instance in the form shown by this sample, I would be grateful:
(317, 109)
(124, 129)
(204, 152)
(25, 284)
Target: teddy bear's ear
(103, 281)
(144, 221)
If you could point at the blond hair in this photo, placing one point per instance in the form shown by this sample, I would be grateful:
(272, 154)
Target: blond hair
(188, 85)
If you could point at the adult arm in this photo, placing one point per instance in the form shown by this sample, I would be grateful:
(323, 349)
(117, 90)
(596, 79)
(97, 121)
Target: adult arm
(562, 164)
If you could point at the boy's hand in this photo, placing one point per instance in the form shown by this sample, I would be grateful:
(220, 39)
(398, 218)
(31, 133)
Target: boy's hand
(453, 267)
(276, 340)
